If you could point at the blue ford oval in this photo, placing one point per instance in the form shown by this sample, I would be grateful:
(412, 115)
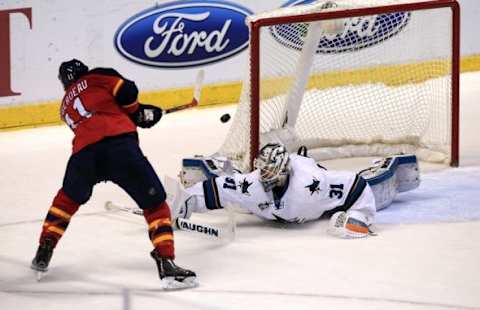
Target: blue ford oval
(184, 34)
(359, 32)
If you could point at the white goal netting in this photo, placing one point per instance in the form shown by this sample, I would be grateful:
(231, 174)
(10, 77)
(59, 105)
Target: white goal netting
(357, 86)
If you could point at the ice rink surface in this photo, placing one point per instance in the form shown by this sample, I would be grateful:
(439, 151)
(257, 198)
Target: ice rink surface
(426, 254)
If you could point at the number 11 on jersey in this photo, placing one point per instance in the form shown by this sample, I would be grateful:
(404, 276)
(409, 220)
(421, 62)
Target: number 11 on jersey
(80, 113)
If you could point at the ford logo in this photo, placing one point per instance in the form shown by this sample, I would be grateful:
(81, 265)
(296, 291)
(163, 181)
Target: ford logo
(358, 33)
(184, 34)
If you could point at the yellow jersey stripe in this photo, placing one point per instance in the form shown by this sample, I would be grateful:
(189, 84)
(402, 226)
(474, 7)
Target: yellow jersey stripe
(117, 87)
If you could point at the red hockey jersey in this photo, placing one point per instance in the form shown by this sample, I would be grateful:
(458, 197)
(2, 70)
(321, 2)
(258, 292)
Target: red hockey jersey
(89, 108)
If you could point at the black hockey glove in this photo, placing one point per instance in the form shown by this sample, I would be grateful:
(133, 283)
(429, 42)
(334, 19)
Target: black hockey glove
(146, 115)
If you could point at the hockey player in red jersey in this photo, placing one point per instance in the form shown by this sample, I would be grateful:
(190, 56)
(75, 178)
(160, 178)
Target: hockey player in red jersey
(102, 109)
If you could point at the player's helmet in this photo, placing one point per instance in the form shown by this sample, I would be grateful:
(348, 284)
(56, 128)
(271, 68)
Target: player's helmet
(272, 163)
(70, 71)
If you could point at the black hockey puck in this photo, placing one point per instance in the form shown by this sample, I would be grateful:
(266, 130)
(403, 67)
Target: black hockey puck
(225, 118)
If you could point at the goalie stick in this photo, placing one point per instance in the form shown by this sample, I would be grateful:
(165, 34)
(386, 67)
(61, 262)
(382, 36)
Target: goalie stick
(225, 233)
(196, 95)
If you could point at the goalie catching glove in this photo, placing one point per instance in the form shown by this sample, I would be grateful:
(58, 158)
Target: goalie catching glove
(146, 115)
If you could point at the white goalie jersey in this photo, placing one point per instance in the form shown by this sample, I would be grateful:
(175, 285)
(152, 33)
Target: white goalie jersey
(311, 192)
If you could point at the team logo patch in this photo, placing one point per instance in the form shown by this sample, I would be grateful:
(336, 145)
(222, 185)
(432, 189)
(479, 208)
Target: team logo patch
(314, 187)
(184, 33)
(359, 32)
(244, 186)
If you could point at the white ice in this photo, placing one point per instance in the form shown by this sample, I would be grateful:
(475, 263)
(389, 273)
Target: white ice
(426, 254)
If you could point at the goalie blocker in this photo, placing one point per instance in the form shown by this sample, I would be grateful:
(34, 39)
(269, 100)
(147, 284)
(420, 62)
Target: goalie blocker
(387, 177)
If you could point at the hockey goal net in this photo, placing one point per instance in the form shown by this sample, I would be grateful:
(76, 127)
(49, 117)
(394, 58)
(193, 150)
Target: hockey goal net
(351, 79)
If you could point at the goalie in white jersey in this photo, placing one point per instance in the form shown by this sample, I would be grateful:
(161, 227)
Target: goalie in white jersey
(294, 189)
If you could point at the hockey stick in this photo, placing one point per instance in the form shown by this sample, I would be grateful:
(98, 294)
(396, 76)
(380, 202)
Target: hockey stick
(224, 233)
(196, 95)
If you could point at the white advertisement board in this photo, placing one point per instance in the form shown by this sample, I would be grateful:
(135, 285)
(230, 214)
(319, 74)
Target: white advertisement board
(132, 37)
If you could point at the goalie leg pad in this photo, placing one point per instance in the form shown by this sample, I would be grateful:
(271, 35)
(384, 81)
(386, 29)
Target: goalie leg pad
(390, 176)
(403, 167)
(201, 168)
(408, 174)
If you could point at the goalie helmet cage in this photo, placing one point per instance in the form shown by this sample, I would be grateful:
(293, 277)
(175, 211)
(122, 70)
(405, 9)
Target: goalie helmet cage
(381, 77)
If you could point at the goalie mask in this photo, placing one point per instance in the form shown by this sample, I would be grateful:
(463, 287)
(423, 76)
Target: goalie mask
(272, 163)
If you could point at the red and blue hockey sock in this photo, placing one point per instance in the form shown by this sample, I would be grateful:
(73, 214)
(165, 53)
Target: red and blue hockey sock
(58, 217)
(160, 229)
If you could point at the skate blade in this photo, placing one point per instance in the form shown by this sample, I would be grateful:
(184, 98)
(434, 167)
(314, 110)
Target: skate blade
(169, 283)
(40, 274)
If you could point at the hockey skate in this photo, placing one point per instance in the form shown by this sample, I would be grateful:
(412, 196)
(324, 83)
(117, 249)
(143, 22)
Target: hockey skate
(172, 276)
(42, 258)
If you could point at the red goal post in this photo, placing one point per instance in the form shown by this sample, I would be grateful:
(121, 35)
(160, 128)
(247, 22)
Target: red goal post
(254, 96)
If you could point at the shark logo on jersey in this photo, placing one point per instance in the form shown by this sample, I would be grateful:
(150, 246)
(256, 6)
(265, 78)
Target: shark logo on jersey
(244, 186)
(314, 187)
